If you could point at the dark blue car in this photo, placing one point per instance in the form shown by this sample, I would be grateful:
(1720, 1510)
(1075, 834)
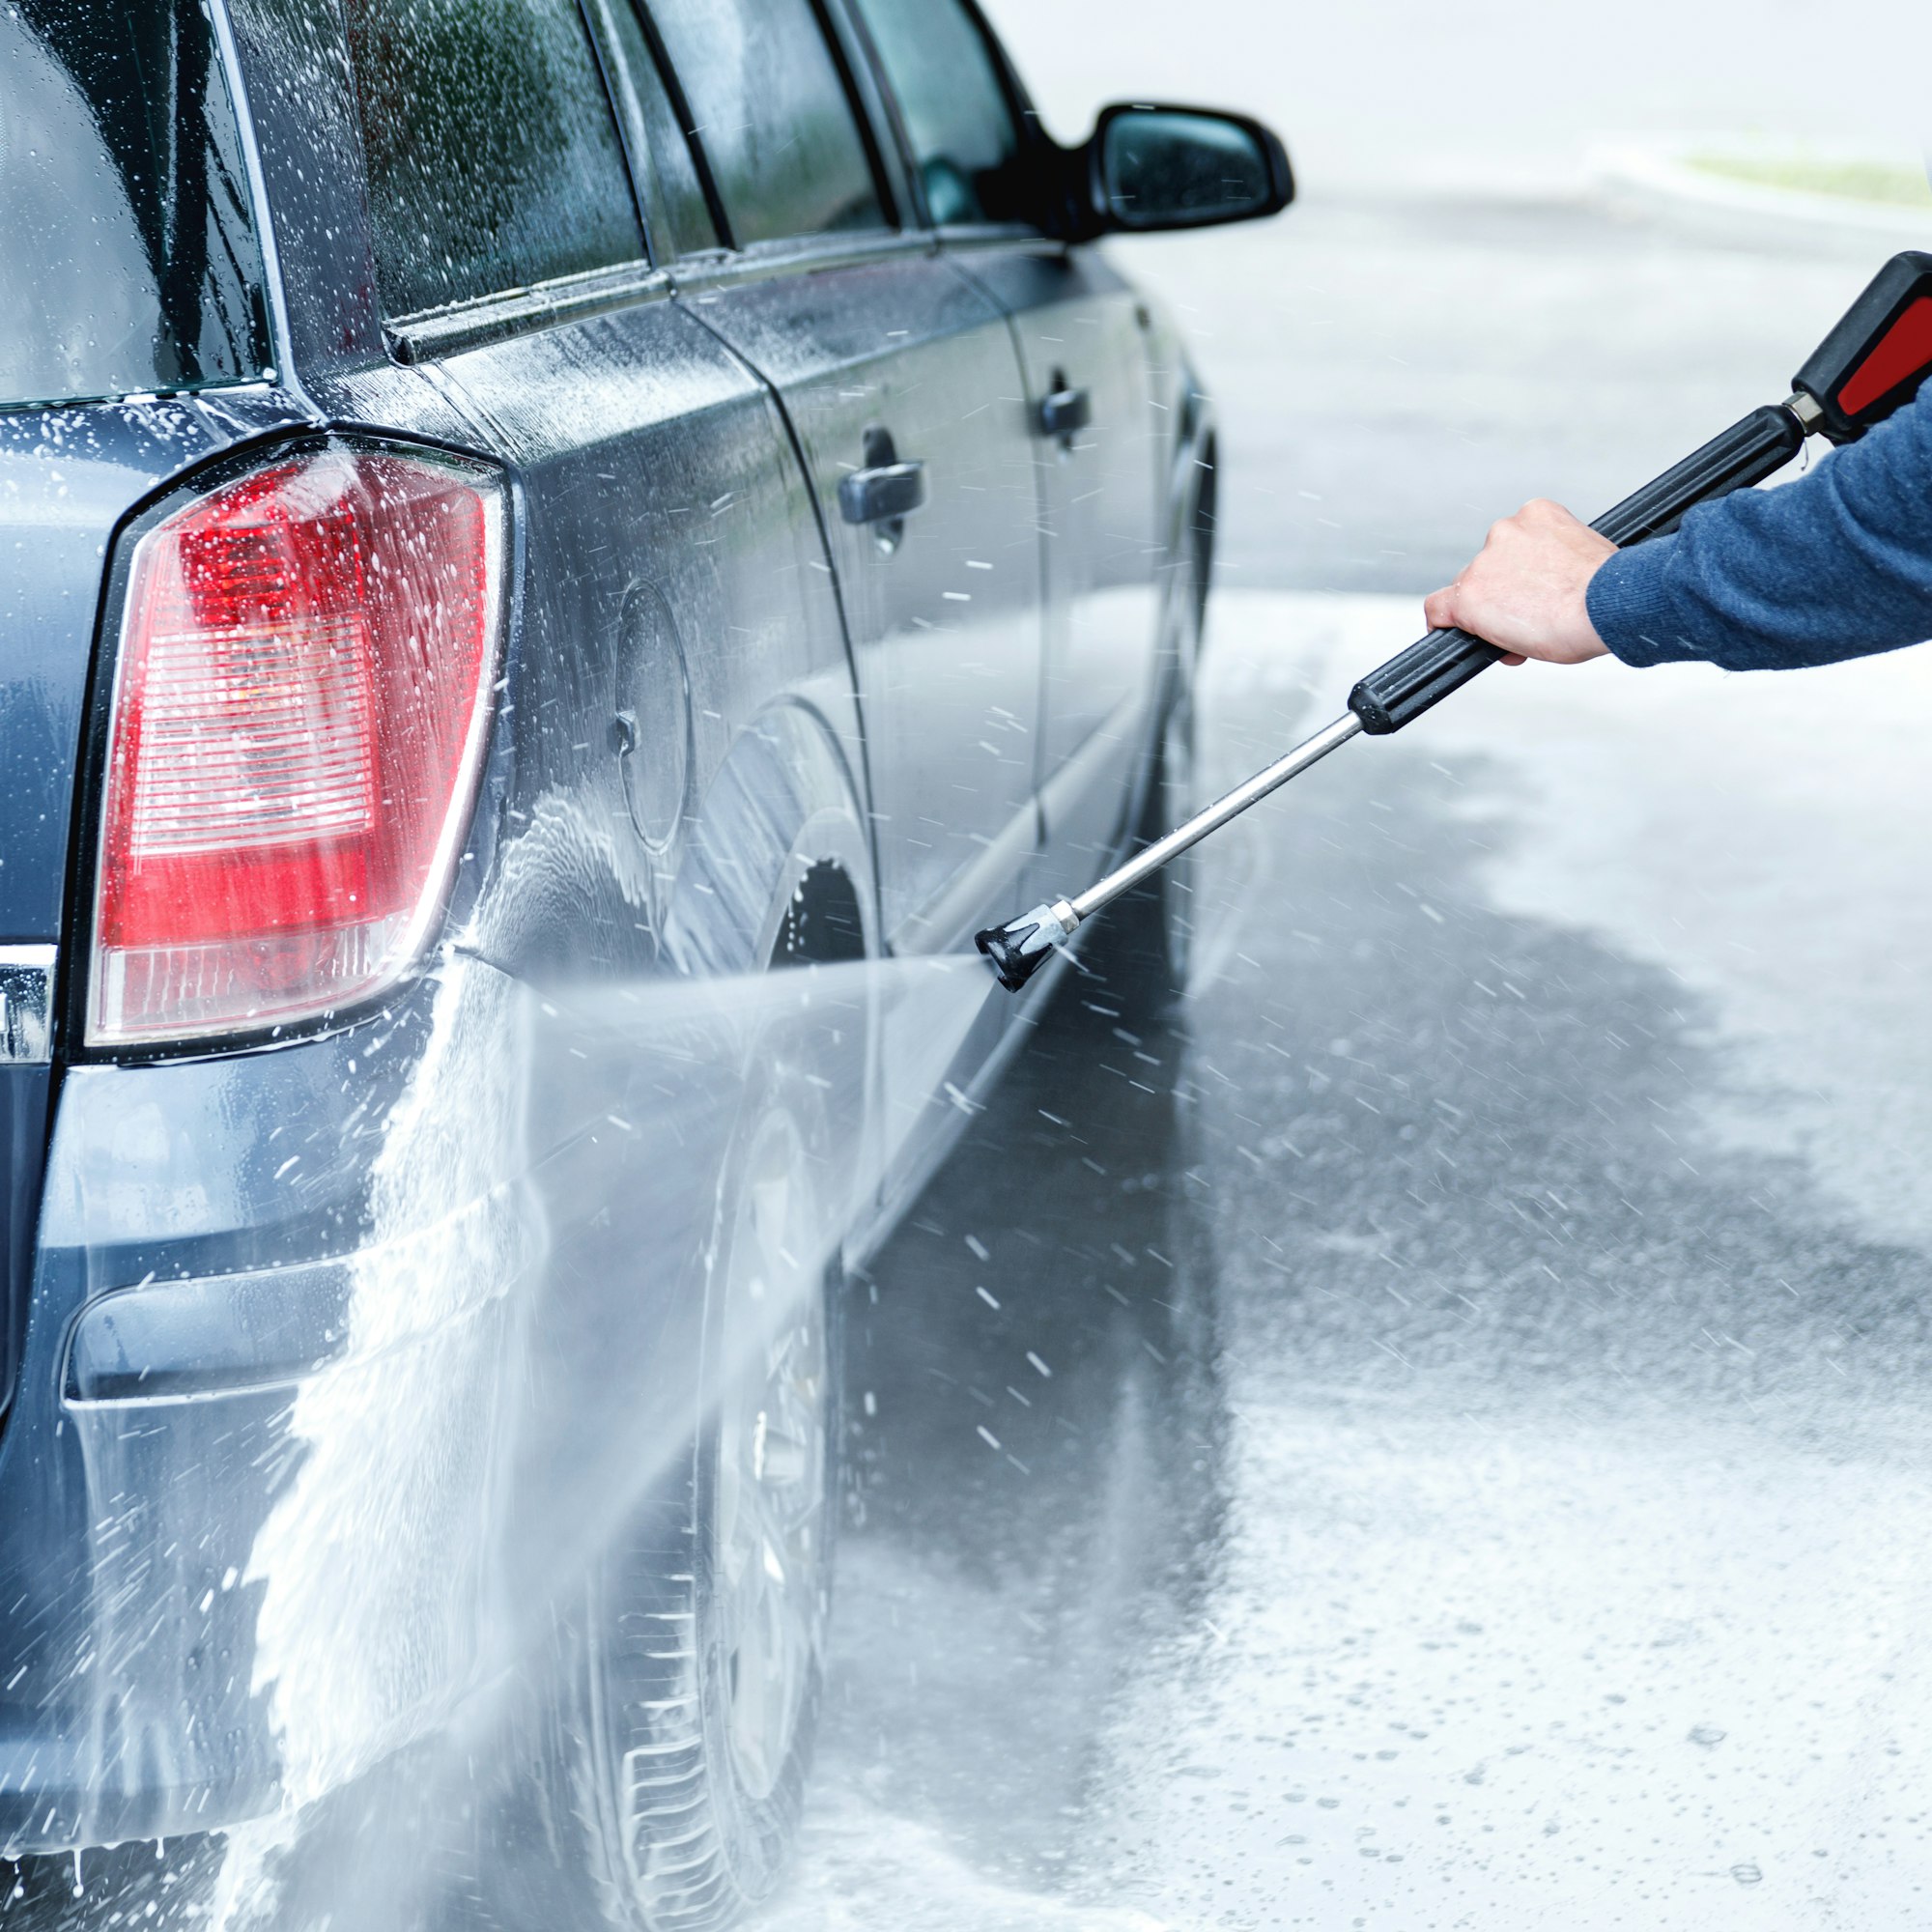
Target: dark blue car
(556, 562)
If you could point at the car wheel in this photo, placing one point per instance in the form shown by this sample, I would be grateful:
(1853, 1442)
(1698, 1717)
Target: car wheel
(1144, 942)
(703, 1658)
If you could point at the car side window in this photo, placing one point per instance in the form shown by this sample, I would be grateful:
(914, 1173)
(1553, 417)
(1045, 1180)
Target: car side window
(675, 209)
(770, 111)
(964, 140)
(494, 161)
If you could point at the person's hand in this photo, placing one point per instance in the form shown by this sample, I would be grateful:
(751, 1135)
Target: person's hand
(1525, 588)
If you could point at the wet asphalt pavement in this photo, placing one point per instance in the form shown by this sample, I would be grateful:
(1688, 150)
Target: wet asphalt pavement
(1436, 1435)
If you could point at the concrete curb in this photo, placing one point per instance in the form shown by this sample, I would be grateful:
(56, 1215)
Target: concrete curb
(1660, 175)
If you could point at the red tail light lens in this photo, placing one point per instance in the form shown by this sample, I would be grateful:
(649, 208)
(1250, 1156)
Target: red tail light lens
(300, 703)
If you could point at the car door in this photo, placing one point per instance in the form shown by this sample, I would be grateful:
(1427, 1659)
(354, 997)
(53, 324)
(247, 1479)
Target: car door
(1082, 348)
(900, 382)
(1082, 340)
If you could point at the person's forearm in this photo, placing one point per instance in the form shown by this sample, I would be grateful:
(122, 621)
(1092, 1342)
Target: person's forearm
(1835, 565)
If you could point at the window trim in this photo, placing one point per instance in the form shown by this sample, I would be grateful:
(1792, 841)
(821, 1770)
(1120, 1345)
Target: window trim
(873, 109)
(280, 342)
(803, 255)
(634, 175)
(429, 334)
(893, 113)
(983, 237)
(688, 130)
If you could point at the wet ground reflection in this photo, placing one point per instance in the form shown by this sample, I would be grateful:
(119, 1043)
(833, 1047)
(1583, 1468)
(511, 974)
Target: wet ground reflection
(1509, 1508)
(1033, 1370)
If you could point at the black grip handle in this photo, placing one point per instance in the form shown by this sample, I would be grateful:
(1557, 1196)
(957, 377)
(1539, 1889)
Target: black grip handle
(1748, 452)
(1066, 413)
(1395, 694)
(1398, 693)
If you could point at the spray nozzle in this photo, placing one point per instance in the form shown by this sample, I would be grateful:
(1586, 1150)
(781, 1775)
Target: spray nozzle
(1019, 949)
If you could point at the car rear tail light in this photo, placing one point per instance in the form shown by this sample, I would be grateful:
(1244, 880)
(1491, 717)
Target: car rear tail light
(300, 703)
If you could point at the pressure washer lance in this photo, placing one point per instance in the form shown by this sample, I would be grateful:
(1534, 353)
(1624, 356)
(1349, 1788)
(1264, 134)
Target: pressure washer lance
(1869, 367)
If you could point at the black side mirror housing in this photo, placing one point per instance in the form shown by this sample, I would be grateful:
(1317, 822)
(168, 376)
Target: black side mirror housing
(1153, 167)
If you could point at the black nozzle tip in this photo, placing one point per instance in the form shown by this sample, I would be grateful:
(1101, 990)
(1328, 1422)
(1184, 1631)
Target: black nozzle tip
(1019, 949)
(1012, 967)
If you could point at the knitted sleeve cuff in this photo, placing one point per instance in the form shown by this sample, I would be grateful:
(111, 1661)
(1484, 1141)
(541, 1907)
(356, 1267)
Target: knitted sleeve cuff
(1629, 608)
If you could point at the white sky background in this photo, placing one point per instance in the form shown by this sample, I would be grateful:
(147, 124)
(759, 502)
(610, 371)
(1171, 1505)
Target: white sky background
(1455, 92)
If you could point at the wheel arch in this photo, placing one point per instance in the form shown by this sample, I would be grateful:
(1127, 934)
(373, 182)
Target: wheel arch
(779, 839)
(1193, 498)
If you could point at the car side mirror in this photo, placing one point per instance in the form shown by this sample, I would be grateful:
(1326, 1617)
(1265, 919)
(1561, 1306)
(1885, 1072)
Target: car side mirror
(1151, 167)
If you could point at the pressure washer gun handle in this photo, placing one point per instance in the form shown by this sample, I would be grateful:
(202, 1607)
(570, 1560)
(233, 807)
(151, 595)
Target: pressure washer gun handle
(1869, 367)
(1401, 690)
(1872, 363)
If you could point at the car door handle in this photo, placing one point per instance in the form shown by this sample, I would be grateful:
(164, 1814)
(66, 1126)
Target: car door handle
(888, 493)
(1065, 414)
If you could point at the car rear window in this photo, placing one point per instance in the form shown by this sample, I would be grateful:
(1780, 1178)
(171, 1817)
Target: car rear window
(494, 161)
(772, 115)
(129, 259)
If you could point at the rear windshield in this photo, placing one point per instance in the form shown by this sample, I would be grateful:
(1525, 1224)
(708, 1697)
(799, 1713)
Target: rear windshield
(131, 261)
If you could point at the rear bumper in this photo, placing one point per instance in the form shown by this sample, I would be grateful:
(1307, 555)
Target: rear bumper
(133, 1714)
(265, 1396)
(246, 1627)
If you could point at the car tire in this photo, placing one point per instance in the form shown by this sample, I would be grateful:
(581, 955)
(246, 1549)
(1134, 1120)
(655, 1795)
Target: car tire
(702, 1653)
(1144, 941)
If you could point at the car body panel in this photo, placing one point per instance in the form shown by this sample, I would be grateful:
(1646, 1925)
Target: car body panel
(120, 1520)
(1078, 325)
(945, 626)
(672, 558)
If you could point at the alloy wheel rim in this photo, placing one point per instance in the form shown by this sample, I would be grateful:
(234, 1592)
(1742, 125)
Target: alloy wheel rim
(768, 1528)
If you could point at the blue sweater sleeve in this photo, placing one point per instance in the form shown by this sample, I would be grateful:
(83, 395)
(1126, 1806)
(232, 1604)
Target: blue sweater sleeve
(1837, 564)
